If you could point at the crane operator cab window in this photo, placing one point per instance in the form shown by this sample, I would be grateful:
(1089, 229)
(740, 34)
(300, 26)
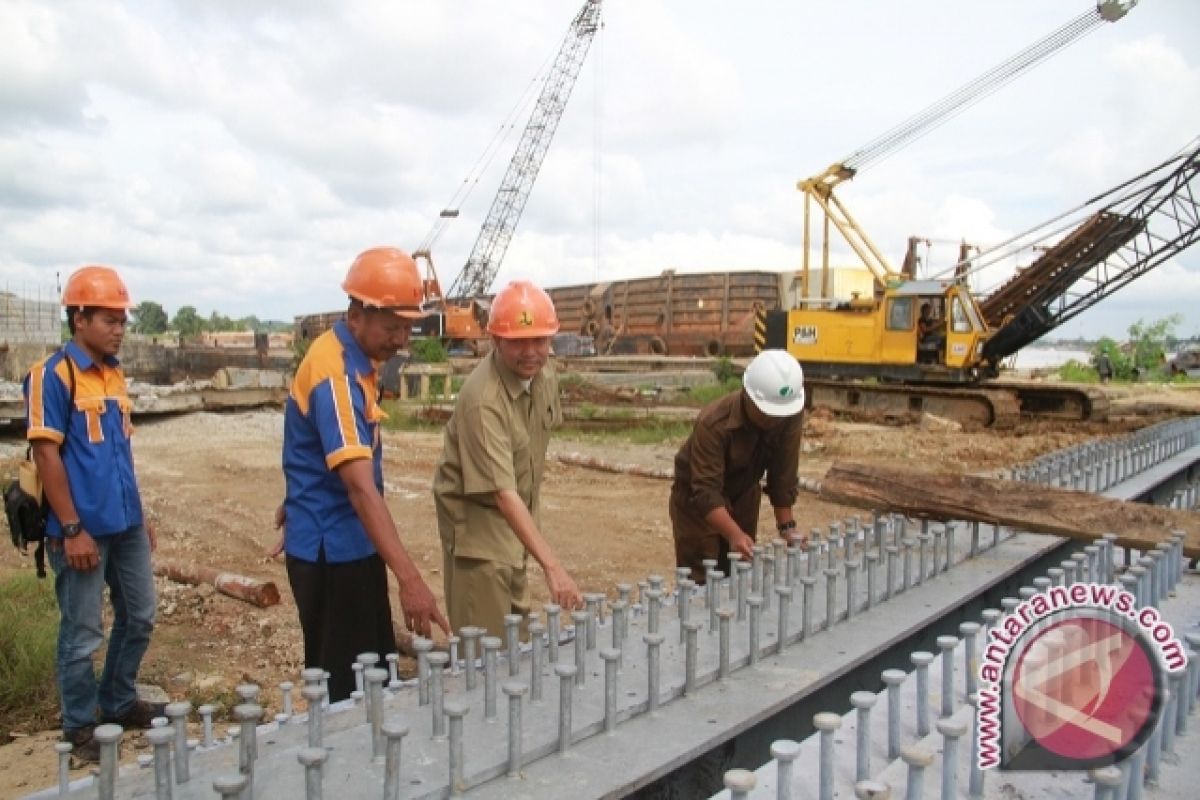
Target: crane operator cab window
(900, 314)
(959, 321)
(931, 334)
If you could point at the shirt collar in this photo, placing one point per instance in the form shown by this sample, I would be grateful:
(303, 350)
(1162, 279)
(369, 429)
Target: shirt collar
(356, 359)
(81, 358)
(512, 383)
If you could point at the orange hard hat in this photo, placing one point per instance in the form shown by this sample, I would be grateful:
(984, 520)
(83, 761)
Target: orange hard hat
(98, 287)
(522, 311)
(388, 278)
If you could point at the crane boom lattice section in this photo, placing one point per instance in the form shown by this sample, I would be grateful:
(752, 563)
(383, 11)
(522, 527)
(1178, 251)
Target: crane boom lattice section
(1139, 225)
(970, 93)
(501, 221)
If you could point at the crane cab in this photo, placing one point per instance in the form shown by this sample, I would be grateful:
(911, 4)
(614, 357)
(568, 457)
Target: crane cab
(920, 330)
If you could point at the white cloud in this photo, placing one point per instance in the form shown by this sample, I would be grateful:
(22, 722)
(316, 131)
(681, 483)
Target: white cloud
(236, 155)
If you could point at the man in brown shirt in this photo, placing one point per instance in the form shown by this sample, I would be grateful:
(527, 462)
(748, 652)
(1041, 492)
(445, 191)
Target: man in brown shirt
(719, 470)
(489, 477)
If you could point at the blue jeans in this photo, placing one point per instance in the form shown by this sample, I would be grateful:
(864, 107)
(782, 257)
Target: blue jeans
(125, 568)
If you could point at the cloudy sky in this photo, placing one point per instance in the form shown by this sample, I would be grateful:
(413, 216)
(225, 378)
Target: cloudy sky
(237, 154)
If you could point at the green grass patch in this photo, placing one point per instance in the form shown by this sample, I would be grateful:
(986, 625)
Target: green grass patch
(437, 385)
(1077, 372)
(428, 349)
(570, 380)
(28, 641)
(407, 418)
(655, 430)
(705, 394)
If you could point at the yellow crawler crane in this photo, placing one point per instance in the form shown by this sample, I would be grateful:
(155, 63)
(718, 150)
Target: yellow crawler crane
(948, 365)
(870, 352)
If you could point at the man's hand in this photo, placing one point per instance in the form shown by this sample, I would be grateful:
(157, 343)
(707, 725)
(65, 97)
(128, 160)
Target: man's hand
(420, 608)
(742, 543)
(152, 535)
(280, 517)
(563, 590)
(81, 552)
(797, 539)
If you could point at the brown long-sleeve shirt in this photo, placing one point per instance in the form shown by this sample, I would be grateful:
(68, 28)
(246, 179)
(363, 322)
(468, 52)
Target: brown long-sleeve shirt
(726, 455)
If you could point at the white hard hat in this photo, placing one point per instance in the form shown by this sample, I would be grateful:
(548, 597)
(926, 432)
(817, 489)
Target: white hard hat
(775, 382)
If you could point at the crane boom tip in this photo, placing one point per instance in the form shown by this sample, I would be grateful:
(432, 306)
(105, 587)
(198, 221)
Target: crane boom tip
(1113, 10)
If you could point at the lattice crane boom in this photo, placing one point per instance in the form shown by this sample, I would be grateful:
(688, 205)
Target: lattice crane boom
(1125, 232)
(486, 255)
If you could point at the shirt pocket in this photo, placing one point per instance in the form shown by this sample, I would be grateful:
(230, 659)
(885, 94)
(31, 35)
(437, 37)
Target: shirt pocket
(552, 416)
(92, 409)
(125, 405)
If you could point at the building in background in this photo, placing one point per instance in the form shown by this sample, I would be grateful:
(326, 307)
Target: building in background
(30, 326)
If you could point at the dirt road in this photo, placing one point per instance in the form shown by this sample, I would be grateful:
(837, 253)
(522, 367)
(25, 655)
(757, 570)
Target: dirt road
(212, 482)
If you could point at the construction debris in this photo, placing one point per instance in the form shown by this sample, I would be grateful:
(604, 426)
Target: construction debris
(263, 594)
(590, 462)
(246, 378)
(1025, 506)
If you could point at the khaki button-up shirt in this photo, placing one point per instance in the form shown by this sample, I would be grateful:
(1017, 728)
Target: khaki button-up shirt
(726, 455)
(496, 439)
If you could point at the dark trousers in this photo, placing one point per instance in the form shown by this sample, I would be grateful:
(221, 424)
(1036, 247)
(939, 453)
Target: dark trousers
(696, 540)
(344, 611)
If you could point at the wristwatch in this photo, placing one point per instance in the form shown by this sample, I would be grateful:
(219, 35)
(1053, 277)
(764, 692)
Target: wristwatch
(790, 525)
(71, 529)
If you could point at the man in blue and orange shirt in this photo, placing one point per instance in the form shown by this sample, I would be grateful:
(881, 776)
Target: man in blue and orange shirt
(339, 535)
(78, 425)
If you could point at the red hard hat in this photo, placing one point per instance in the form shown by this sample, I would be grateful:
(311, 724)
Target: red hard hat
(98, 287)
(522, 311)
(386, 277)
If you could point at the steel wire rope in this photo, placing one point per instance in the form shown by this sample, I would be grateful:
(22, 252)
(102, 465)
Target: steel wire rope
(1131, 192)
(597, 151)
(502, 134)
(966, 96)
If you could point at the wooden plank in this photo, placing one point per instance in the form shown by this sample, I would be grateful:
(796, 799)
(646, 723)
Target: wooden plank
(1024, 506)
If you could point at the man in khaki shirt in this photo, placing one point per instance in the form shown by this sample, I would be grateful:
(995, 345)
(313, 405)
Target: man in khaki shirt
(488, 479)
(719, 470)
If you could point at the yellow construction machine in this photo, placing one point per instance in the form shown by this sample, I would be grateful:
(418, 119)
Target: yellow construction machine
(935, 346)
(931, 344)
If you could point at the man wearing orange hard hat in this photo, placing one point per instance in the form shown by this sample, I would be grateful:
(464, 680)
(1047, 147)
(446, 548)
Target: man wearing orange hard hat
(489, 477)
(78, 426)
(339, 536)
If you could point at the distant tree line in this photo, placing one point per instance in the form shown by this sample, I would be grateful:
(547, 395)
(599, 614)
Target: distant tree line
(150, 318)
(1143, 356)
(1170, 342)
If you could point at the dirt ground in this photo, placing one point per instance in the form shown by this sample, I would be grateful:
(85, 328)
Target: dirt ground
(211, 483)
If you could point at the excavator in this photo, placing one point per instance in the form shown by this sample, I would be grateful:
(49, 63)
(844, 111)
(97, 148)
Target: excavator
(932, 345)
(461, 314)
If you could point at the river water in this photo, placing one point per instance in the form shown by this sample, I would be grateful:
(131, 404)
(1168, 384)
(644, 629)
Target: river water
(1042, 357)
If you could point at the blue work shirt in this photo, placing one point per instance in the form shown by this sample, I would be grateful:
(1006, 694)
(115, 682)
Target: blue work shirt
(332, 417)
(93, 435)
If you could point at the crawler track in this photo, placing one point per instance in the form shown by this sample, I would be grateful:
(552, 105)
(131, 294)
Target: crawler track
(971, 406)
(996, 405)
(1056, 401)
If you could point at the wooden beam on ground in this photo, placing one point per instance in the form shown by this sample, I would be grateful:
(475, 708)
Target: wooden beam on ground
(259, 593)
(599, 464)
(1024, 506)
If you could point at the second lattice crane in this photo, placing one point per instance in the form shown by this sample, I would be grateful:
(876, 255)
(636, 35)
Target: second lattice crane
(462, 317)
